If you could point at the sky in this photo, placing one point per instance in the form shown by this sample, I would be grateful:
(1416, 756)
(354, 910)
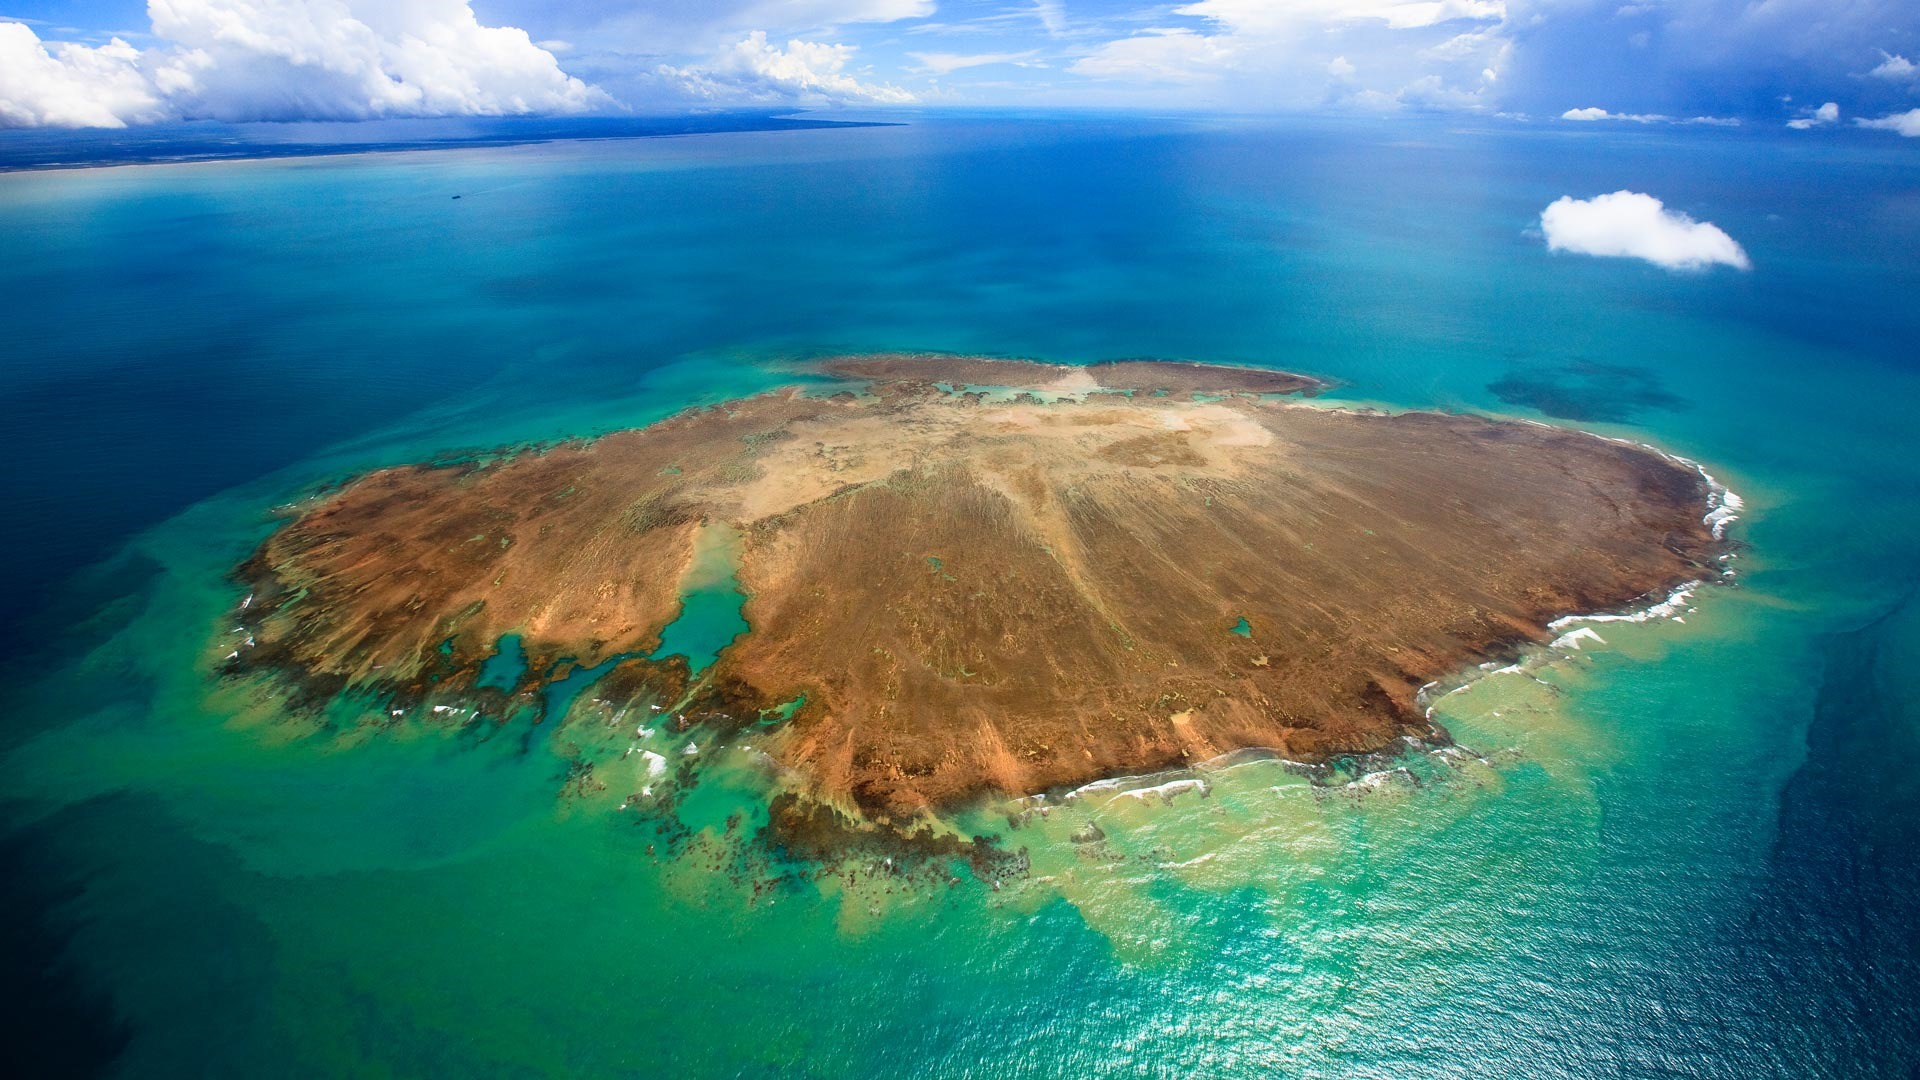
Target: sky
(1806, 65)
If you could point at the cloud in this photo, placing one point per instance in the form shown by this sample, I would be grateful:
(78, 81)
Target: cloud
(357, 59)
(1052, 15)
(649, 31)
(1265, 16)
(1592, 114)
(1173, 55)
(836, 12)
(1632, 225)
(1671, 59)
(68, 85)
(1655, 61)
(1825, 114)
(1257, 50)
(948, 63)
(1906, 123)
(1470, 44)
(754, 70)
(1722, 57)
(285, 60)
(1894, 68)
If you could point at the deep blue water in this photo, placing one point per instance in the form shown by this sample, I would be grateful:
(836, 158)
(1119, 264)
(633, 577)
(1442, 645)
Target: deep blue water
(1710, 867)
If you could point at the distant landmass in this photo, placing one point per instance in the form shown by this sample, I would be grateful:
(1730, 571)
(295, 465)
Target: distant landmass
(966, 577)
(47, 148)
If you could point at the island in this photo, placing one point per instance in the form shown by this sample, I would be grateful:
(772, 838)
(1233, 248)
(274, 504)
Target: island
(965, 577)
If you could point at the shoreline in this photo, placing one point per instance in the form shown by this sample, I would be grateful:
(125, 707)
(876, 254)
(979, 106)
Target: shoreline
(1443, 488)
(190, 151)
(1724, 507)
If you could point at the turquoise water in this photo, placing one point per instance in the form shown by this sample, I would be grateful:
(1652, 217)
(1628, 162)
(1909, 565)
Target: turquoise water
(506, 667)
(710, 600)
(1694, 850)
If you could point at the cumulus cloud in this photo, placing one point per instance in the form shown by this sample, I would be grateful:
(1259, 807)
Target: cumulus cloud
(755, 70)
(1660, 61)
(1825, 114)
(1629, 224)
(288, 59)
(1895, 68)
(1906, 123)
(68, 85)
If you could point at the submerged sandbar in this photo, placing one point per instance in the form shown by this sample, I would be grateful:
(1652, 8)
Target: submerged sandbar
(1124, 568)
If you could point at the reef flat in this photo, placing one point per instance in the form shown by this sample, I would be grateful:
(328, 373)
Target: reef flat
(967, 576)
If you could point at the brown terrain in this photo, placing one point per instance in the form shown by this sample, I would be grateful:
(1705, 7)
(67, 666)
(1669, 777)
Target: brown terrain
(994, 592)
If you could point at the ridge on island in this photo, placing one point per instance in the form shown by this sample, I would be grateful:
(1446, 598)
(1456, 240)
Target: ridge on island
(1086, 572)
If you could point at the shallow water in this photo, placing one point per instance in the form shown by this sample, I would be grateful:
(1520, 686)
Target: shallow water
(710, 600)
(1691, 850)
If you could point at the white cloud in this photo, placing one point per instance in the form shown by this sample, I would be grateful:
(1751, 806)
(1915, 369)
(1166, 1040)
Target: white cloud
(1406, 16)
(1906, 123)
(647, 32)
(1593, 113)
(1052, 15)
(288, 59)
(1825, 114)
(1265, 16)
(67, 85)
(948, 63)
(1160, 55)
(818, 13)
(1463, 46)
(839, 11)
(1264, 44)
(754, 70)
(1632, 225)
(1341, 68)
(354, 59)
(1895, 68)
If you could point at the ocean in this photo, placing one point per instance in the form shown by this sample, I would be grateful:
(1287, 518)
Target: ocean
(1691, 849)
